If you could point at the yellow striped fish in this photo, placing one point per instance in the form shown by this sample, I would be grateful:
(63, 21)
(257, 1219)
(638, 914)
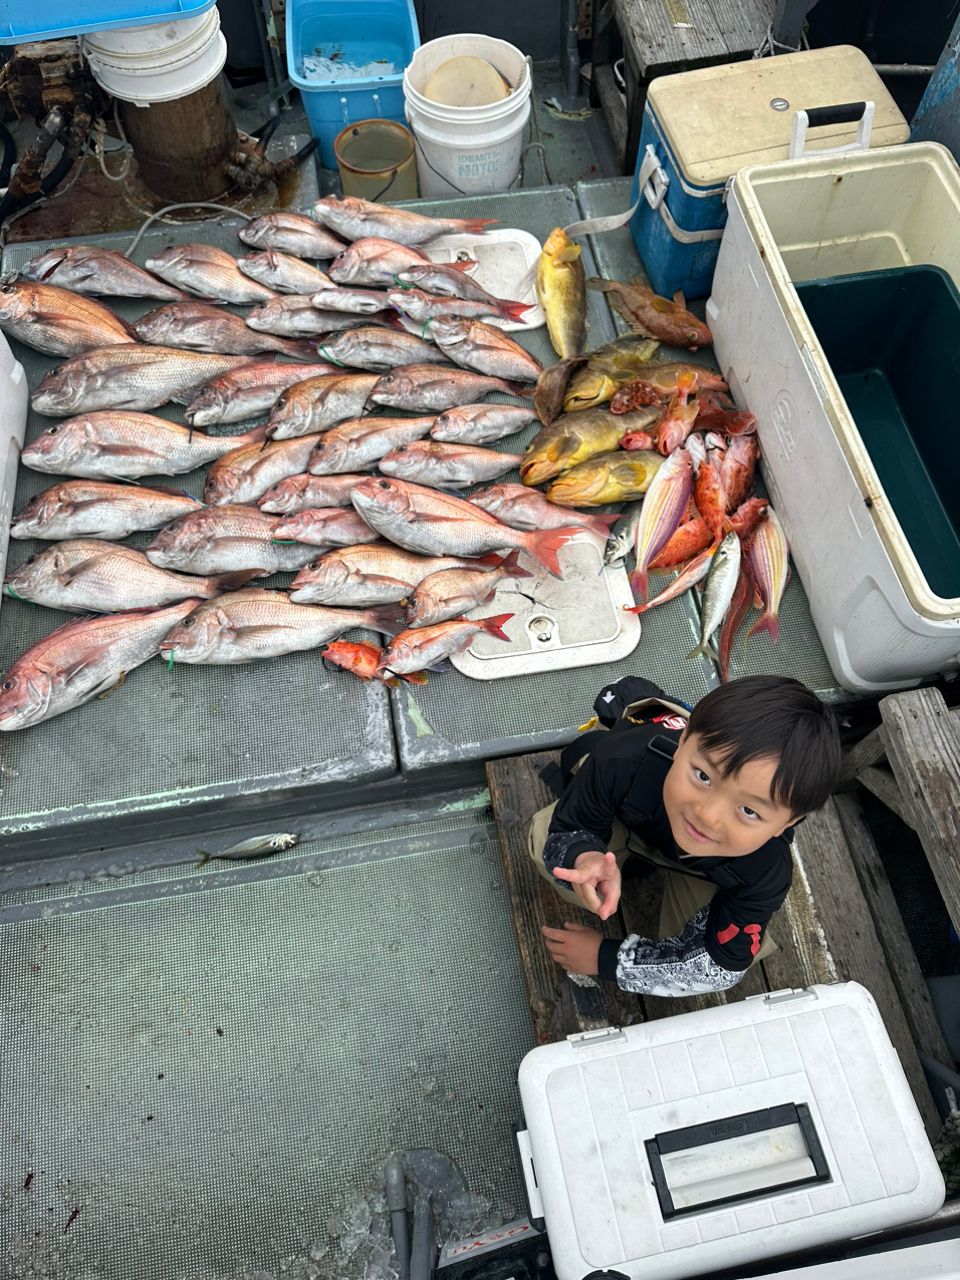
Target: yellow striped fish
(768, 556)
(663, 509)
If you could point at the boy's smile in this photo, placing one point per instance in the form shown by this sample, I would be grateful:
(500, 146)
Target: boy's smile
(717, 816)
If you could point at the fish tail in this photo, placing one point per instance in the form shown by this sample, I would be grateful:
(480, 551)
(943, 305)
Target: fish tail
(473, 226)
(639, 582)
(704, 650)
(463, 265)
(494, 625)
(387, 619)
(513, 310)
(253, 436)
(301, 349)
(510, 565)
(545, 546)
(770, 623)
(232, 581)
(516, 389)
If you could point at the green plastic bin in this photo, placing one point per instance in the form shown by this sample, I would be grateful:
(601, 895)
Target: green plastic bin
(892, 338)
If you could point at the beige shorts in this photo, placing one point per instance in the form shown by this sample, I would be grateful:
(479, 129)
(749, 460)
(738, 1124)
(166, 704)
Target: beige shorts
(683, 895)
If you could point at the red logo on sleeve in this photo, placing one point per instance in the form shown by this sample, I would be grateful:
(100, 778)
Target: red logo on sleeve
(730, 932)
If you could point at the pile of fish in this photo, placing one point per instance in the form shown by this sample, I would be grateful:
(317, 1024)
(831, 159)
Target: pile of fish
(370, 374)
(664, 437)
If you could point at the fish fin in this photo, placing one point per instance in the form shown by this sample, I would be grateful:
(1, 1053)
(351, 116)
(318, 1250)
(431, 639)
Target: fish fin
(110, 683)
(569, 253)
(680, 299)
(465, 264)
(510, 565)
(442, 665)
(599, 285)
(492, 560)
(513, 310)
(233, 581)
(67, 576)
(474, 226)
(415, 677)
(389, 620)
(545, 546)
(494, 626)
(177, 493)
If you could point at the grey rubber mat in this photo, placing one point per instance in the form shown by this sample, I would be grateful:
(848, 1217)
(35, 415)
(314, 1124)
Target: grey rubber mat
(201, 1069)
(195, 735)
(455, 718)
(799, 652)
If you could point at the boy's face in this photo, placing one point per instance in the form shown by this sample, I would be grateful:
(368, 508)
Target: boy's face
(720, 817)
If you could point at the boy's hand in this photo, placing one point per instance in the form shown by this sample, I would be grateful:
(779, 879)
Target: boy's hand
(596, 882)
(574, 947)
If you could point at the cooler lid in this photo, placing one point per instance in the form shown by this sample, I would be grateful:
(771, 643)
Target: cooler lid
(705, 1140)
(719, 119)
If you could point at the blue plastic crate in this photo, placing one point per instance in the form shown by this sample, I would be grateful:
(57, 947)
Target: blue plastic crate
(350, 34)
(20, 22)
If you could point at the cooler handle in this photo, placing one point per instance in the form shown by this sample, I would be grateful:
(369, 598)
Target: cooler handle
(534, 1199)
(842, 113)
(653, 179)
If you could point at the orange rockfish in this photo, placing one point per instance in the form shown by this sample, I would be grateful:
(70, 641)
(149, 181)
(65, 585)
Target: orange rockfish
(363, 660)
(655, 317)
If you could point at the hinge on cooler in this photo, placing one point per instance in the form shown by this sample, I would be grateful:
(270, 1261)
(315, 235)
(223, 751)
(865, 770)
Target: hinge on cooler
(601, 1035)
(786, 995)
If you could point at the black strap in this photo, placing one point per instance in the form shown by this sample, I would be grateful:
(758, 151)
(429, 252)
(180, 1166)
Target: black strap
(551, 775)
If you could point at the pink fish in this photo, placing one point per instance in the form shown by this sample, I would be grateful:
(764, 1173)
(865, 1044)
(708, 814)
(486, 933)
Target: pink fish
(692, 573)
(664, 507)
(768, 557)
(680, 416)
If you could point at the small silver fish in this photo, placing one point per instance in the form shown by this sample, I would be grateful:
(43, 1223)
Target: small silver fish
(717, 593)
(624, 533)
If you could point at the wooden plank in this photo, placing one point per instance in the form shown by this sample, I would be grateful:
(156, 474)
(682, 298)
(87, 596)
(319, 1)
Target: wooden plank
(614, 108)
(829, 895)
(662, 33)
(923, 749)
(883, 784)
(901, 957)
(558, 1006)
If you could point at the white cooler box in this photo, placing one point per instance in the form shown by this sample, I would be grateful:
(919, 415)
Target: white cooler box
(721, 1137)
(881, 624)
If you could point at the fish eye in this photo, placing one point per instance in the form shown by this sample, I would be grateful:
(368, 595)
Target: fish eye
(9, 288)
(7, 685)
(383, 484)
(188, 622)
(52, 431)
(314, 564)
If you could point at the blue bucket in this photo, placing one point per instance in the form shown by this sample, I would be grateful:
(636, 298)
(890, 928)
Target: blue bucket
(335, 52)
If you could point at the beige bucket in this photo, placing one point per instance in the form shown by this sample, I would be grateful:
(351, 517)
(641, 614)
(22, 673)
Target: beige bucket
(377, 160)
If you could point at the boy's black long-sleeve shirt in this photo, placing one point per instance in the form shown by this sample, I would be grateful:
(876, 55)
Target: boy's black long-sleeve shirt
(622, 778)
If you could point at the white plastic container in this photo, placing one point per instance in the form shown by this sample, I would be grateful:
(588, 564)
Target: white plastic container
(880, 623)
(467, 150)
(157, 63)
(712, 1139)
(14, 402)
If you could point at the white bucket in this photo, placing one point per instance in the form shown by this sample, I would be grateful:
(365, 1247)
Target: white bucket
(467, 150)
(158, 63)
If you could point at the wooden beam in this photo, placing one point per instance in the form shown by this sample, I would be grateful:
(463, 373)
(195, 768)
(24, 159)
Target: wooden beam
(897, 948)
(923, 748)
(558, 1005)
(880, 780)
(836, 908)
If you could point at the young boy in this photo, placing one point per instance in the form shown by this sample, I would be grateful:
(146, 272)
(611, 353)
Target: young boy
(712, 798)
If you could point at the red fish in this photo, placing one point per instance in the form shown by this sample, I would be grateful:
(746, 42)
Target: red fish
(739, 608)
(363, 660)
(737, 468)
(637, 440)
(689, 540)
(680, 416)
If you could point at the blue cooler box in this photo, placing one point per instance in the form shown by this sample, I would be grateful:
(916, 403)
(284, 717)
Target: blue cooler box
(700, 127)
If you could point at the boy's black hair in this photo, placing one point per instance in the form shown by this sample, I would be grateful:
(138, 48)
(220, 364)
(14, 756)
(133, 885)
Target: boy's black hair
(773, 718)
